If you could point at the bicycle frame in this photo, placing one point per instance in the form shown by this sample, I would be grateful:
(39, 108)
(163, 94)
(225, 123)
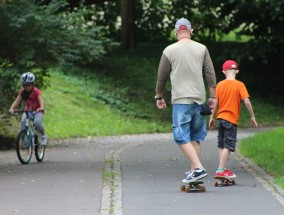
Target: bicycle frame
(27, 140)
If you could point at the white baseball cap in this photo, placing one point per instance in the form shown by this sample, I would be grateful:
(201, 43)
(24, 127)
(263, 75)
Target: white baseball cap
(182, 24)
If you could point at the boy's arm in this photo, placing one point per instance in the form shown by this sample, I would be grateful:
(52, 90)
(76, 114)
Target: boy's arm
(250, 110)
(212, 117)
(15, 104)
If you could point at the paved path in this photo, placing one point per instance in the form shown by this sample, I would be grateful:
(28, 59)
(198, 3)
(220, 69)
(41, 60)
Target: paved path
(130, 175)
(153, 167)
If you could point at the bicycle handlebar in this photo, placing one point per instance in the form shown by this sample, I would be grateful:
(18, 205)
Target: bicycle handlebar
(26, 111)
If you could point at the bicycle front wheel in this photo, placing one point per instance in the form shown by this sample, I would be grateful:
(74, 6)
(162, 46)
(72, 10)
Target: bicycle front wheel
(24, 147)
(39, 150)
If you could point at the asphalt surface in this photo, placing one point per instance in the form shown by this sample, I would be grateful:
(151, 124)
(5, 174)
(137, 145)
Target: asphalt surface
(130, 175)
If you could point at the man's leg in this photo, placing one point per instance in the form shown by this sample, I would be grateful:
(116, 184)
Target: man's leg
(192, 154)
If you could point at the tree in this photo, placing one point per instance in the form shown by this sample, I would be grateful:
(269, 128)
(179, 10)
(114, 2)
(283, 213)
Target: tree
(33, 37)
(128, 28)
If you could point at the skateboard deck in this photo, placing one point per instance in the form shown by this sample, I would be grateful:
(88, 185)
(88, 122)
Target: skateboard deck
(193, 187)
(224, 181)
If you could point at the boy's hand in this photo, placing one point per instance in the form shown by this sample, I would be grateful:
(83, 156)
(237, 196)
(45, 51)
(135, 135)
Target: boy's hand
(11, 111)
(253, 122)
(211, 123)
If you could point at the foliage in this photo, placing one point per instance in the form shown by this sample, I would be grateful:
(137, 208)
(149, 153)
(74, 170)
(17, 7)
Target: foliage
(128, 85)
(33, 36)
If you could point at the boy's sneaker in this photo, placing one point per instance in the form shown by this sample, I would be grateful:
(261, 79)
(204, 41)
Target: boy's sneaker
(230, 173)
(195, 176)
(226, 173)
(43, 140)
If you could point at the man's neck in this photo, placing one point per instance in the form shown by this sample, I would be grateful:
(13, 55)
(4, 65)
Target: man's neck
(185, 38)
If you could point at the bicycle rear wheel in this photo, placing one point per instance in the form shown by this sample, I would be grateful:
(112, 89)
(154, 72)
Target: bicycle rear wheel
(24, 147)
(39, 149)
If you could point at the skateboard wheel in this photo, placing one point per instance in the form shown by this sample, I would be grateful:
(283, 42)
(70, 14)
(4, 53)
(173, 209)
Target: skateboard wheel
(227, 183)
(188, 189)
(183, 188)
(216, 184)
(233, 182)
(202, 189)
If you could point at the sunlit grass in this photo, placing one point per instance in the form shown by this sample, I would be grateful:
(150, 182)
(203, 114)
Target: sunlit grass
(72, 112)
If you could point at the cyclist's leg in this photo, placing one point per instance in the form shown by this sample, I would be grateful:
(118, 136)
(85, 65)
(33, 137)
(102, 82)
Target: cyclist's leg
(23, 122)
(38, 117)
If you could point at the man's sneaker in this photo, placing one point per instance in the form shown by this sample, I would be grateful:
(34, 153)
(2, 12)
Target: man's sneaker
(43, 140)
(226, 173)
(195, 176)
(188, 173)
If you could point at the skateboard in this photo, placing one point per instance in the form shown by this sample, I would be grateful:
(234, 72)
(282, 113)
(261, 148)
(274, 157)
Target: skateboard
(193, 187)
(224, 181)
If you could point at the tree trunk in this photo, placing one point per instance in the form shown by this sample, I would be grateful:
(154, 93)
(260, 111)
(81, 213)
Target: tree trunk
(128, 30)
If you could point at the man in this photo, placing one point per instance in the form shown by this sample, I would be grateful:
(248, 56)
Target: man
(185, 61)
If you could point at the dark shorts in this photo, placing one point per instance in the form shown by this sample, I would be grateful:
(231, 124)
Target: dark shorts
(227, 134)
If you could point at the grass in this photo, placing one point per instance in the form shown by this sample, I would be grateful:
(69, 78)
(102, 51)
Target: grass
(266, 150)
(71, 111)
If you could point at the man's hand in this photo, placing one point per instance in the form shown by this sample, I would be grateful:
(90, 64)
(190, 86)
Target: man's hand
(161, 104)
(212, 102)
(11, 111)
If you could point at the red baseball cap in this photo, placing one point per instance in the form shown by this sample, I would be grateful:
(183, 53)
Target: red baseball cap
(230, 64)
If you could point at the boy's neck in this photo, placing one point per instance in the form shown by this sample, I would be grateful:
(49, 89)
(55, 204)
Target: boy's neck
(230, 76)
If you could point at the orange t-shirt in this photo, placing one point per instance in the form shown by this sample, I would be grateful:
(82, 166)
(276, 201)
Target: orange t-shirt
(229, 93)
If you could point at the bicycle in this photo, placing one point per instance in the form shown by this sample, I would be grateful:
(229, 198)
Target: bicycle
(29, 139)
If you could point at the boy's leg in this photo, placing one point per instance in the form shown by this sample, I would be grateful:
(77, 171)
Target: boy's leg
(226, 143)
(224, 156)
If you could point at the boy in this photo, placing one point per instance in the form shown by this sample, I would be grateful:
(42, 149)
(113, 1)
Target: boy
(229, 93)
(34, 102)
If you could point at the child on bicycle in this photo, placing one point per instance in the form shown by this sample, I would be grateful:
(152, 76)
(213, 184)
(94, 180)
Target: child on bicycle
(33, 102)
(229, 94)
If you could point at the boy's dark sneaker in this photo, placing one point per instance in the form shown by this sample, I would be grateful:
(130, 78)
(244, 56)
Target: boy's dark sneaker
(195, 176)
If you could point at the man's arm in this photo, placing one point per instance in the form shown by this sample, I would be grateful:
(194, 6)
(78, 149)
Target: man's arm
(210, 76)
(209, 71)
(163, 74)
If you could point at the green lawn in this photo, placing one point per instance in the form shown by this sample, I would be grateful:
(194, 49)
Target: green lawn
(72, 112)
(267, 150)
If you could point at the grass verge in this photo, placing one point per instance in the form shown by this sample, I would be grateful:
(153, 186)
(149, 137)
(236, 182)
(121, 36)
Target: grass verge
(266, 150)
